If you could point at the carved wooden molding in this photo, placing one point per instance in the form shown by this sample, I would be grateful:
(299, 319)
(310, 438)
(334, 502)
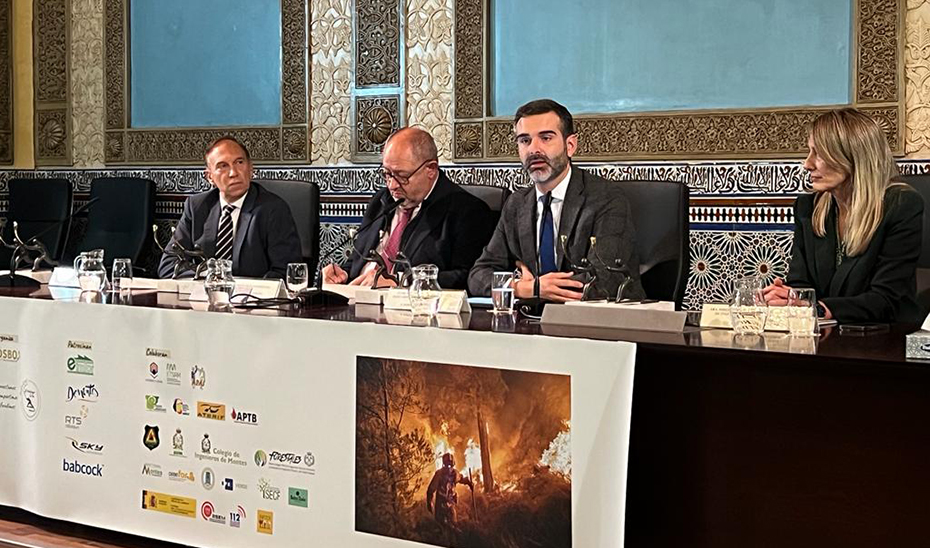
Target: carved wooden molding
(376, 118)
(377, 43)
(878, 80)
(6, 82)
(285, 143)
(51, 43)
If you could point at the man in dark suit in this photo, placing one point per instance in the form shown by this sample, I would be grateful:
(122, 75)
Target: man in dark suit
(565, 202)
(436, 222)
(237, 219)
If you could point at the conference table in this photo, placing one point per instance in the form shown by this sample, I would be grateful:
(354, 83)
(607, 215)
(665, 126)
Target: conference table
(733, 440)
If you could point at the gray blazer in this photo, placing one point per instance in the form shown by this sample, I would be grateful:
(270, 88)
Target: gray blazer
(593, 207)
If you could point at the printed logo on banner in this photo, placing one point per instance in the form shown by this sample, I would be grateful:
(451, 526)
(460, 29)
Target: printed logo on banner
(181, 408)
(261, 458)
(77, 467)
(86, 447)
(218, 454)
(181, 475)
(173, 374)
(207, 479)
(30, 400)
(73, 421)
(241, 417)
(289, 461)
(265, 523)
(153, 373)
(87, 393)
(231, 485)
(236, 518)
(268, 491)
(209, 513)
(152, 470)
(297, 497)
(198, 377)
(80, 365)
(214, 411)
(151, 404)
(169, 504)
(150, 437)
(11, 355)
(177, 444)
(8, 397)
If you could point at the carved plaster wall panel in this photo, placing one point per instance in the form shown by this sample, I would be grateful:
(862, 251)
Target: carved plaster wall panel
(751, 133)
(87, 110)
(376, 118)
(429, 70)
(6, 81)
(331, 81)
(377, 43)
(51, 35)
(186, 145)
(917, 74)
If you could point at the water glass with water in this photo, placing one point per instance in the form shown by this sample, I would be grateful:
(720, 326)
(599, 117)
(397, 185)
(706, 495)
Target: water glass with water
(122, 275)
(296, 279)
(802, 312)
(748, 309)
(502, 284)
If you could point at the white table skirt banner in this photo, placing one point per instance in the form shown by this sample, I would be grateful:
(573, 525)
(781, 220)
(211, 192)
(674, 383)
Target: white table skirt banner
(231, 429)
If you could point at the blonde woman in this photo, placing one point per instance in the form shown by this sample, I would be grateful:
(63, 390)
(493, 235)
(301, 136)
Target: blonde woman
(858, 235)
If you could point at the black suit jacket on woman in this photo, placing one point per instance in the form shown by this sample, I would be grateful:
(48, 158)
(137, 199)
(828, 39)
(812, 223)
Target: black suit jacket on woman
(878, 285)
(449, 231)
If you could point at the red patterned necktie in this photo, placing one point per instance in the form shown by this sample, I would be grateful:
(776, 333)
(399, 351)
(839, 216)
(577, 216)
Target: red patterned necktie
(389, 252)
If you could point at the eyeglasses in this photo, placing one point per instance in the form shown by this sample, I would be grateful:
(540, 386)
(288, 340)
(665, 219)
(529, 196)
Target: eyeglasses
(401, 179)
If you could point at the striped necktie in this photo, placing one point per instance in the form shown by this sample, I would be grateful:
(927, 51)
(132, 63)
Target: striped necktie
(224, 238)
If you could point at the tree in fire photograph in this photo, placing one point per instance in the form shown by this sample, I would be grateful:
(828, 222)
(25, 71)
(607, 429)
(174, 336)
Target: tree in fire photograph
(462, 456)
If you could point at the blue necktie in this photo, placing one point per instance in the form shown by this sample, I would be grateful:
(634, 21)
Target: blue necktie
(547, 238)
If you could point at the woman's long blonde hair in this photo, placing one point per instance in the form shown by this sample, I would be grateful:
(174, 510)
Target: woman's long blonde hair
(853, 143)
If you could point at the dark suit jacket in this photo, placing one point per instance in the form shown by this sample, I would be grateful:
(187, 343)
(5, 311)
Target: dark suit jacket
(880, 284)
(449, 231)
(266, 236)
(593, 207)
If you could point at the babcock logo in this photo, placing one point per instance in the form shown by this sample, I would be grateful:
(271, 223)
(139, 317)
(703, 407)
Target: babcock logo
(76, 467)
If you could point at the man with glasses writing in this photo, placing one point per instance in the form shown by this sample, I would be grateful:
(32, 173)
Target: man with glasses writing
(436, 222)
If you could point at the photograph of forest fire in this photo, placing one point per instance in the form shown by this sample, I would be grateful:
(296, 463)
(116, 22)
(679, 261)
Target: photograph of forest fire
(463, 456)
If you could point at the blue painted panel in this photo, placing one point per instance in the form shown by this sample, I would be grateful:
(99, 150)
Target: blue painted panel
(647, 55)
(205, 63)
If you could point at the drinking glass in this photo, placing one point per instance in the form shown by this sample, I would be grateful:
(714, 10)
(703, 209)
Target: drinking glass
(802, 312)
(748, 309)
(296, 278)
(502, 291)
(122, 275)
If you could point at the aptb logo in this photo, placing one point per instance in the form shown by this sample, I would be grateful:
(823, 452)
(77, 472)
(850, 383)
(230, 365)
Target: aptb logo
(76, 467)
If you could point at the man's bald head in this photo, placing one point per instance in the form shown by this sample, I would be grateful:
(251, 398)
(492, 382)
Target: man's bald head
(416, 142)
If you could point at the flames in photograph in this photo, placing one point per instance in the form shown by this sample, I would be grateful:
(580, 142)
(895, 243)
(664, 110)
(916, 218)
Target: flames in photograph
(463, 456)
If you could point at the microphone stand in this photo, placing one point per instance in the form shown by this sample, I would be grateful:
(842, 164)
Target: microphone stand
(533, 307)
(317, 296)
(621, 268)
(22, 249)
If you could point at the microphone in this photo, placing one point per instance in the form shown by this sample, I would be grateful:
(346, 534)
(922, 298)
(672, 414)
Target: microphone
(533, 307)
(316, 295)
(21, 250)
